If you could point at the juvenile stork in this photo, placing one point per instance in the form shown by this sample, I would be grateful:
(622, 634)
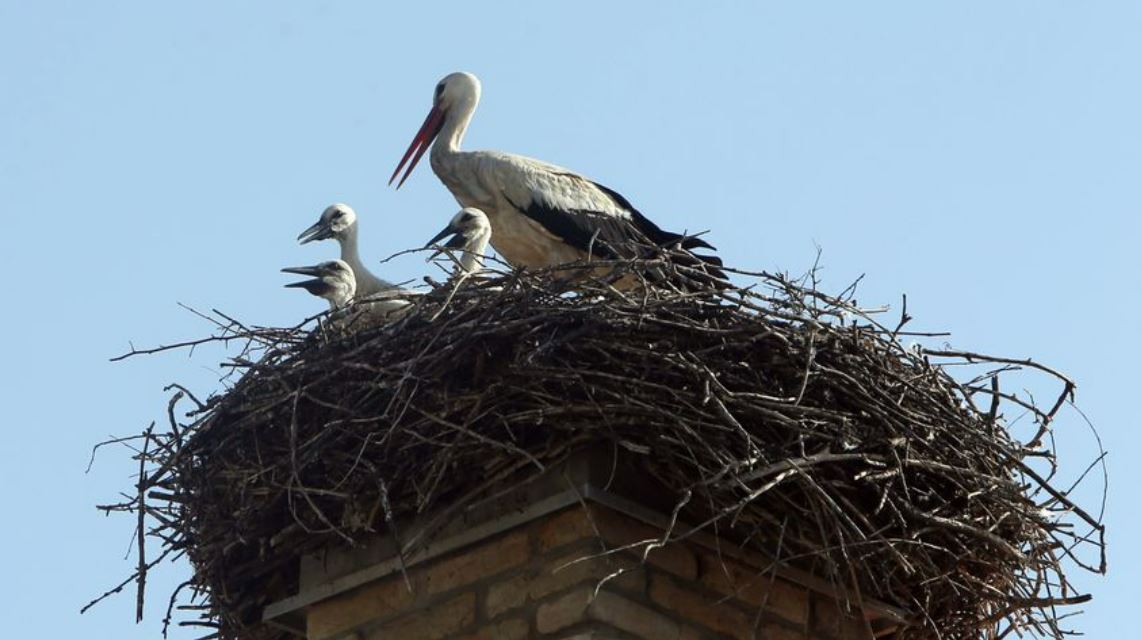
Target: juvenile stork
(470, 231)
(333, 280)
(541, 214)
(339, 222)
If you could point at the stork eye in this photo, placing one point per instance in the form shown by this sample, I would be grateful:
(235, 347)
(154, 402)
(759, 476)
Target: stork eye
(439, 91)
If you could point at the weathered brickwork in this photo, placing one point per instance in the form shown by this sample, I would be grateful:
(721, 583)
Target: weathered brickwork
(580, 574)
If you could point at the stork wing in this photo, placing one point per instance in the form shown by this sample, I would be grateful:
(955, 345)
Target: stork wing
(582, 213)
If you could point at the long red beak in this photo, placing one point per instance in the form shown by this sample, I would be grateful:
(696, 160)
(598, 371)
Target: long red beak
(420, 143)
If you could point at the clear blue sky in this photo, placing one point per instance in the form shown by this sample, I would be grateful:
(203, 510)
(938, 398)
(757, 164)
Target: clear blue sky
(982, 157)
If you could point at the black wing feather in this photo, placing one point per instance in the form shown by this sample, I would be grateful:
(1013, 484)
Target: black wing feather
(606, 236)
(592, 232)
(601, 233)
(652, 231)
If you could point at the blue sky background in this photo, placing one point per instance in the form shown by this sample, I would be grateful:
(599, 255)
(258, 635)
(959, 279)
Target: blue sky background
(981, 157)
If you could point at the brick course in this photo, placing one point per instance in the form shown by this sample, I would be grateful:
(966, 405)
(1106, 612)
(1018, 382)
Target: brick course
(545, 580)
(730, 578)
(551, 575)
(616, 530)
(442, 621)
(510, 629)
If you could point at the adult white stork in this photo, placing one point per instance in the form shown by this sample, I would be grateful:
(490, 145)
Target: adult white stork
(541, 214)
(333, 280)
(470, 231)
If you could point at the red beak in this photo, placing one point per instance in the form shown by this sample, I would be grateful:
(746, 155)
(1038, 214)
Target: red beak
(420, 143)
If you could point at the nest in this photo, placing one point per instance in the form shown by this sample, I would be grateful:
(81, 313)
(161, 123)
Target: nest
(790, 421)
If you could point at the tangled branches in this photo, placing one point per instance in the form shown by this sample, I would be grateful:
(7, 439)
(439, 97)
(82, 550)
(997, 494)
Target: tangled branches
(801, 425)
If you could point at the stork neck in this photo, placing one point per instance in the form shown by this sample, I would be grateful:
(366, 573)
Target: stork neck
(473, 258)
(455, 126)
(345, 297)
(342, 293)
(470, 262)
(366, 282)
(349, 254)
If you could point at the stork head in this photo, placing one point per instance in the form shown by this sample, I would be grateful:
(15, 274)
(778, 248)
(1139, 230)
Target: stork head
(333, 280)
(456, 93)
(467, 228)
(471, 231)
(456, 89)
(334, 222)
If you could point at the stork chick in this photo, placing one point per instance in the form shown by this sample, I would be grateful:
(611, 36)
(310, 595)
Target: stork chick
(339, 222)
(471, 232)
(333, 280)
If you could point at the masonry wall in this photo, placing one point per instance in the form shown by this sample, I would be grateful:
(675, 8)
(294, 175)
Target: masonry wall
(549, 579)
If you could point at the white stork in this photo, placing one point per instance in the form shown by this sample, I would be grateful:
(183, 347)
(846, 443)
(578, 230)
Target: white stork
(339, 222)
(333, 280)
(470, 231)
(541, 214)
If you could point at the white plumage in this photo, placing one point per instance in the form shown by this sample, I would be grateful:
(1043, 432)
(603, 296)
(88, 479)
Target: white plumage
(541, 214)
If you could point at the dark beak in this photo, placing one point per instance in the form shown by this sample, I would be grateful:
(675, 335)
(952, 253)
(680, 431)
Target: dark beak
(456, 242)
(305, 271)
(315, 285)
(420, 143)
(319, 231)
(440, 236)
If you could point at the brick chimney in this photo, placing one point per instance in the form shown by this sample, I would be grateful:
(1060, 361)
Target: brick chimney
(571, 556)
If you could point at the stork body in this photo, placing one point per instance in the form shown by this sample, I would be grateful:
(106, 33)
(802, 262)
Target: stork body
(541, 214)
(470, 231)
(333, 280)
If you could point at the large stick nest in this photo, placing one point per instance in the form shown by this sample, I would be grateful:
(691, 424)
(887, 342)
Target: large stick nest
(790, 421)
